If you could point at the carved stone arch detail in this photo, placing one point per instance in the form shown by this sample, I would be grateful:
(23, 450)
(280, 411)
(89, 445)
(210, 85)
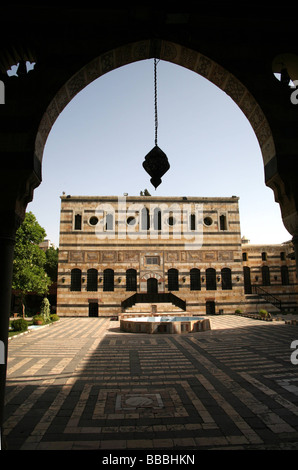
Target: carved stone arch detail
(154, 275)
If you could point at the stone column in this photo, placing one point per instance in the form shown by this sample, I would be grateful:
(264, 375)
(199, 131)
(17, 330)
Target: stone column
(281, 177)
(8, 227)
(16, 191)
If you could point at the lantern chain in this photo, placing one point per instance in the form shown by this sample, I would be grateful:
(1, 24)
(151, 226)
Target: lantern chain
(155, 98)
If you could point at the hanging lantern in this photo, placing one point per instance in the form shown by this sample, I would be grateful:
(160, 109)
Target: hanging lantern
(156, 162)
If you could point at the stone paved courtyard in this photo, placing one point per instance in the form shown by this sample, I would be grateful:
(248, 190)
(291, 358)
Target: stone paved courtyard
(83, 384)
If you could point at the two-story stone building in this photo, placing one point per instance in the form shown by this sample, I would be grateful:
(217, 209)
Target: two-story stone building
(182, 253)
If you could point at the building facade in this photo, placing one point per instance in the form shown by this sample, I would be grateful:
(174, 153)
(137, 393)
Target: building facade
(115, 252)
(269, 272)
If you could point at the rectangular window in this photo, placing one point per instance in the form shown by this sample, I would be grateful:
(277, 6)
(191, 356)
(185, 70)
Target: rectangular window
(152, 260)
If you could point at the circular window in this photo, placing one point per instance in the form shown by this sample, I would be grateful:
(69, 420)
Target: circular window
(208, 221)
(93, 220)
(131, 221)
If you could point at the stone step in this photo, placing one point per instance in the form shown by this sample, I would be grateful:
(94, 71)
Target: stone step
(254, 303)
(148, 307)
(125, 315)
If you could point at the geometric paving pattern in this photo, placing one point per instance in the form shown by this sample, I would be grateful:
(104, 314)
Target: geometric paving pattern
(82, 384)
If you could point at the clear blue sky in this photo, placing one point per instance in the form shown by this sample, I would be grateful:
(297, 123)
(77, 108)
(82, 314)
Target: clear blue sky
(98, 144)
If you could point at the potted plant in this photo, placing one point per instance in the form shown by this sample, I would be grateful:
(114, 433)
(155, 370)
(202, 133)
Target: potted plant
(38, 320)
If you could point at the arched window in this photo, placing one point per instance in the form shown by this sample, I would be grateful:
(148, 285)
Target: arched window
(131, 280)
(226, 279)
(247, 280)
(265, 276)
(109, 222)
(264, 256)
(76, 280)
(108, 280)
(284, 275)
(157, 219)
(78, 222)
(192, 221)
(210, 279)
(195, 279)
(145, 219)
(173, 283)
(92, 280)
(223, 222)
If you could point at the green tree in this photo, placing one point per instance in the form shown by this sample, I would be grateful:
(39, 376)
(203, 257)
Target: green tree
(51, 265)
(29, 260)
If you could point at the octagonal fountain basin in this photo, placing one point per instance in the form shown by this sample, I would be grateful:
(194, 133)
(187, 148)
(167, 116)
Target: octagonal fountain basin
(165, 324)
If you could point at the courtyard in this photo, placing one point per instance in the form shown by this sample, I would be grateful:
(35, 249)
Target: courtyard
(82, 384)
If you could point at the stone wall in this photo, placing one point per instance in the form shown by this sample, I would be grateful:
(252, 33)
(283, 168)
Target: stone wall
(100, 233)
(272, 270)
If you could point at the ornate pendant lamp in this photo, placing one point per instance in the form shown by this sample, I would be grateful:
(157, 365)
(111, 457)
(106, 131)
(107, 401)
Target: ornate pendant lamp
(156, 162)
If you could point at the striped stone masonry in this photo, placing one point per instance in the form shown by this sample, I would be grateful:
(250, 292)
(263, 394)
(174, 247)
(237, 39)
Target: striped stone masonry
(112, 247)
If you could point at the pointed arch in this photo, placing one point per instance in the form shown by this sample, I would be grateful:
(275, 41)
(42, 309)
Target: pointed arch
(171, 52)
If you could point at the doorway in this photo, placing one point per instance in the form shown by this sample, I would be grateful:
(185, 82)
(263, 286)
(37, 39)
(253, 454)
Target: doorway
(210, 307)
(93, 309)
(247, 280)
(152, 286)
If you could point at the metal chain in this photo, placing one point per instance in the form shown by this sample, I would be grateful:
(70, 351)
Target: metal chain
(155, 99)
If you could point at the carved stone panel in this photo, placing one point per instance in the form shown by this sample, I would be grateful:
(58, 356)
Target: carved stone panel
(108, 256)
(210, 256)
(92, 256)
(128, 256)
(76, 256)
(225, 256)
(172, 256)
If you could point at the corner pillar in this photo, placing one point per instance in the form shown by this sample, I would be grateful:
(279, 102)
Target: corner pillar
(9, 224)
(16, 191)
(281, 177)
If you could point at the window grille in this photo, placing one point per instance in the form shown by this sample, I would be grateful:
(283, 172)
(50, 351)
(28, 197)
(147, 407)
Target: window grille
(131, 280)
(210, 279)
(108, 280)
(195, 279)
(173, 283)
(76, 280)
(92, 280)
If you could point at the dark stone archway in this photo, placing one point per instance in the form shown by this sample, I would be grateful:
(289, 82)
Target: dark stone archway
(73, 46)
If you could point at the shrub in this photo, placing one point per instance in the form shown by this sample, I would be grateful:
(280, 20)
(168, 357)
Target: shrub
(54, 317)
(38, 318)
(264, 313)
(20, 325)
(238, 310)
(45, 309)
